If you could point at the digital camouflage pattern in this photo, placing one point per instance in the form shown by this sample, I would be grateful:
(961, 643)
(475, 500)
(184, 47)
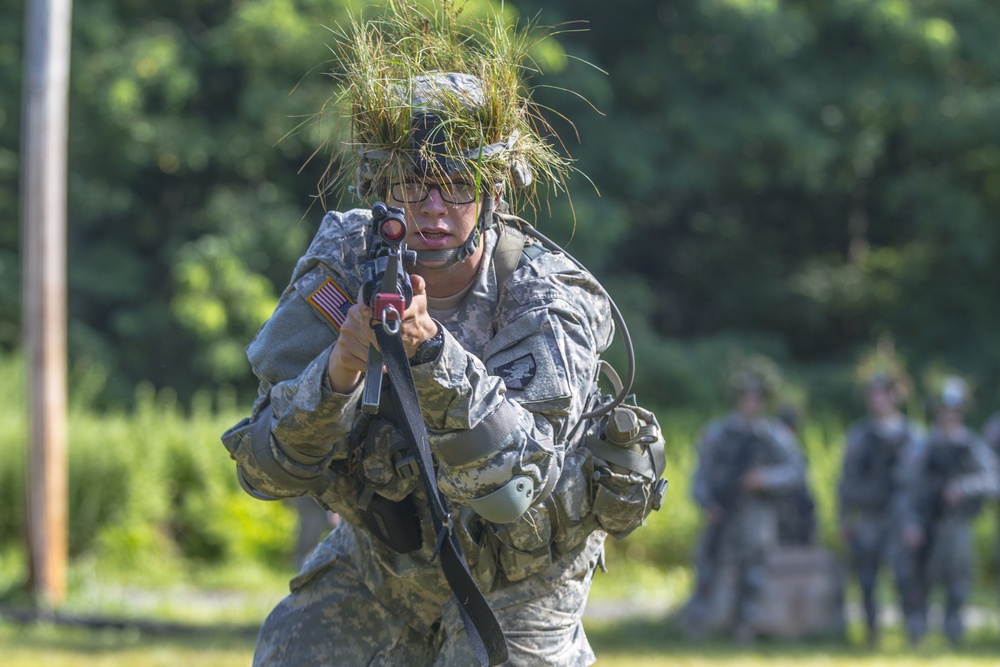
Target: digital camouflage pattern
(868, 500)
(945, 556)
(535, 571)
(748, 532)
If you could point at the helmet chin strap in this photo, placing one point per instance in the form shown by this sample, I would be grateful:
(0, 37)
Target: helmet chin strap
(452, 256)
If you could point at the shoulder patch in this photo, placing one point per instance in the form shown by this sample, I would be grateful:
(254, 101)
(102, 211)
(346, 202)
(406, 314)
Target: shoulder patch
(519, 373)
(332, 302)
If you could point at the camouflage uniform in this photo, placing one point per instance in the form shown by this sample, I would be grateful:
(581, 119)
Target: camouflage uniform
(526, 351)
(963, 463)
(868, 500)
(991, 434)
(747, 531)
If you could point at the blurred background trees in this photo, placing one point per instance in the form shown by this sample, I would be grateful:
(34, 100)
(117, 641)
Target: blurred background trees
(794, 178)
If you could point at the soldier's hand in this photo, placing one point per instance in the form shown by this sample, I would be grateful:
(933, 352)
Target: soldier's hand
(349, 357)
(418, 325)
(753, 480)
(951, 495)
(913, 536)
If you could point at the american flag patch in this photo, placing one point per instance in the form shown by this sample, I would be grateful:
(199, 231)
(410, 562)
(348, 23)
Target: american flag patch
(331, 301)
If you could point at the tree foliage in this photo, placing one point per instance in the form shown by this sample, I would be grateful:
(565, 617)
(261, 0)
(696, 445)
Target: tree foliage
(790, 177)
(812, 174)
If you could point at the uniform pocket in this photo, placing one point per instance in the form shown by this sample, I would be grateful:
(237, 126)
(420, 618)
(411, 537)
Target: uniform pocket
(524, 546)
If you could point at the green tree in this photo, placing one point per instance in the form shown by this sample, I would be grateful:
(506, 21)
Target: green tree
(805, 173)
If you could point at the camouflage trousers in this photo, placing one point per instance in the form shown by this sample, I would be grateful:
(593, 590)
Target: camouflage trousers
(870, 542)
(333, 618)
(944, 561)
(731, 570)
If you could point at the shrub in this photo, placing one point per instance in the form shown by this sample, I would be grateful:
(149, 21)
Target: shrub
(150, 487)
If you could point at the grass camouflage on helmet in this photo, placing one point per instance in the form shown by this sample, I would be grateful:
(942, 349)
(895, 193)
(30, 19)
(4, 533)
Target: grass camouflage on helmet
(433, 96)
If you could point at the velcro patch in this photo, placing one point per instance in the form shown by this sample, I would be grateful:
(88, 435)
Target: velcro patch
(330, 300)
(519, 373)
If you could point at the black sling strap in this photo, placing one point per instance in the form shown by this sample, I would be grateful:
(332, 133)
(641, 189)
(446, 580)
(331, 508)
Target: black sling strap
(481, 624)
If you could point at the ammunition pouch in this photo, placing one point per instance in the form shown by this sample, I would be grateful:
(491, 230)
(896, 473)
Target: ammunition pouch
(609, 482)
(628, 467)
(387, 472)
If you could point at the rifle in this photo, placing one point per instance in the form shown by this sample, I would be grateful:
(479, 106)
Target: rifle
(942, 464)
(387, 289)
(878, 458)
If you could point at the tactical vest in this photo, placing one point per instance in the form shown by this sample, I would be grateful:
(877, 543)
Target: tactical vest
(610, 481)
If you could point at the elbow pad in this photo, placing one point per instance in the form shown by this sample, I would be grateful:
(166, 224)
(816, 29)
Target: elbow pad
(507, 503)
(249, 444)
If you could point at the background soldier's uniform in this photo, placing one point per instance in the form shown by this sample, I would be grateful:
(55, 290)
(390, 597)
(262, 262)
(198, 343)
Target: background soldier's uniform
(945, 558)
(748, 531)
(518, 360)
(868, 500)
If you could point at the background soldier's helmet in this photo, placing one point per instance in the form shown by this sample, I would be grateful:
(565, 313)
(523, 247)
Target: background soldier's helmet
(881, 368)
(953, 393)
(893, 383)
(756, 374)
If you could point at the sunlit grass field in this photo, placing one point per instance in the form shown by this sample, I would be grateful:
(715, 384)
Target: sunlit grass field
(629, 622)
(633, 643)
(161, 532)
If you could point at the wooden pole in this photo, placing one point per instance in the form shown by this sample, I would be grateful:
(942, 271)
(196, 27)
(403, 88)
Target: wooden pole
(43, 224)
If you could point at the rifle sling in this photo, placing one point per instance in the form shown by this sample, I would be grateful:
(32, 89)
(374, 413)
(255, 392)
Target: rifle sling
(481, 624)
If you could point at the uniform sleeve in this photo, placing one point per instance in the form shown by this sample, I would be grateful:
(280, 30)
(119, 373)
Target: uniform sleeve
(786, 468)
(983, 480)
(298, 423)
(509, 415)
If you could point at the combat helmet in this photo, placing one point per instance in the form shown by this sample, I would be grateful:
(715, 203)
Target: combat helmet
(881, 368)
(430, 95)
(952, 391)
(757, 374)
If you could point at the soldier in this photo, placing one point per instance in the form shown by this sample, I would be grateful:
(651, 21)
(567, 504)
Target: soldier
(746, 462)
(502, 337)
(946, 476)
(991, 432)
(868, 486)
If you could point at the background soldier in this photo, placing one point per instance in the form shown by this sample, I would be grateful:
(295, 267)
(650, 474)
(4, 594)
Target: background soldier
(868, 485)
(991, 432)
(746, 461)
(945, 478)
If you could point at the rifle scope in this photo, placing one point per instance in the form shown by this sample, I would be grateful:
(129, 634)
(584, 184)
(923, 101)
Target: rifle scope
(390, 223)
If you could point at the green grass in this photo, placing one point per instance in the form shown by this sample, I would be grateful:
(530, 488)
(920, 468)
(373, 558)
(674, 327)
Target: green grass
(633, 643)
(75, 647)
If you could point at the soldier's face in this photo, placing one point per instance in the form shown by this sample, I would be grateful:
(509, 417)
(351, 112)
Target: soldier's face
(750, 404)
(881, 402)
(949, 418)
(436, 222)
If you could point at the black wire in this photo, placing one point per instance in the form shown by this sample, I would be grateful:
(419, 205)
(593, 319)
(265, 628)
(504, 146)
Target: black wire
(615, 313)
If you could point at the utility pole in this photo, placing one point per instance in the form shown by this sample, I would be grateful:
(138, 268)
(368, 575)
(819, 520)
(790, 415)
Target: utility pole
(43, 223)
